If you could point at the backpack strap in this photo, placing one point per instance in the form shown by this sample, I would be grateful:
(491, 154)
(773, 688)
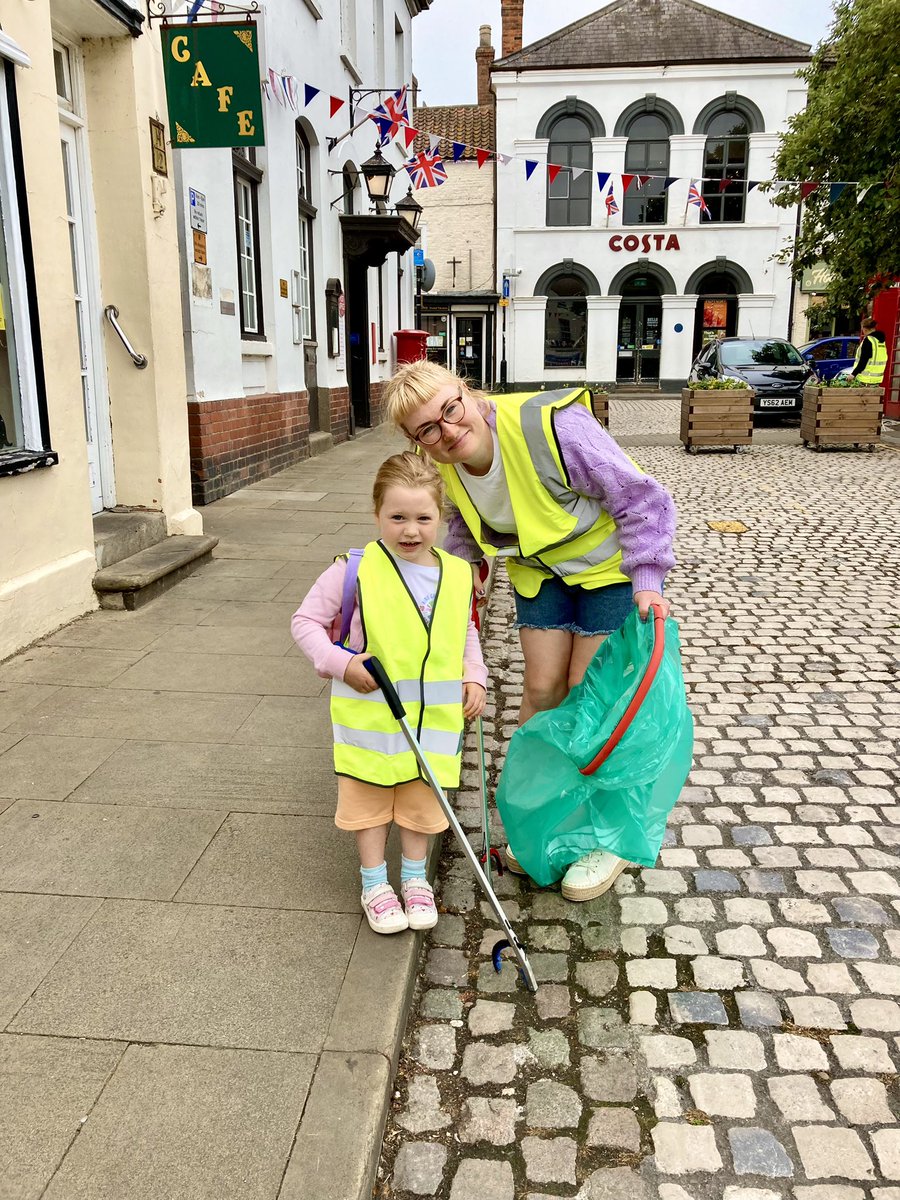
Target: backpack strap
(349, 593)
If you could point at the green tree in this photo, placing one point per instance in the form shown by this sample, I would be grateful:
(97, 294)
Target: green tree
(850, 130)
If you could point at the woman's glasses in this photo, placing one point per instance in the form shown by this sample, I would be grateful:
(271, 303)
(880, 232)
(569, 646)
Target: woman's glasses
(451, 414)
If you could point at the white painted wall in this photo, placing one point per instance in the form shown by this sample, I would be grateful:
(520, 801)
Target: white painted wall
(525, 242)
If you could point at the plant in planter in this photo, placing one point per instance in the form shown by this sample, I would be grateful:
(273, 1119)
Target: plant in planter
(600, 402)
(716, 412)
(841, 411)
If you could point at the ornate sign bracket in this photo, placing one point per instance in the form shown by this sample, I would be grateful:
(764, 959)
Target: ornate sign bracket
(211, 10)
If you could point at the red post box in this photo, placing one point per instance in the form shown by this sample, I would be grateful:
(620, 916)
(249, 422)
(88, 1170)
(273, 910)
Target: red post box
(410, 344)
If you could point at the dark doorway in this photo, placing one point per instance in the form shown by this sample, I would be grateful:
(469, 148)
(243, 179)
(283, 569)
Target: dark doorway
(470, 349)
(358, 343)
(640, 331)
(717, 309)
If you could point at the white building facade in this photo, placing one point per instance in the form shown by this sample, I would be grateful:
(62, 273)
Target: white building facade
(289, 322)
(628, 299)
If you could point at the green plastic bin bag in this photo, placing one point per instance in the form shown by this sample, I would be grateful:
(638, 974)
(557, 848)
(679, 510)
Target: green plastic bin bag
(552, 813)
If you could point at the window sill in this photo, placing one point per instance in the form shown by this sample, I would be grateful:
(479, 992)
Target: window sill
(20, 462)
(259, 349)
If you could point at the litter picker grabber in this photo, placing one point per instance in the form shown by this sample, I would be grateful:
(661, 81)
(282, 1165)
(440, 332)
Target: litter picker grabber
(491, 858)
(378, 673)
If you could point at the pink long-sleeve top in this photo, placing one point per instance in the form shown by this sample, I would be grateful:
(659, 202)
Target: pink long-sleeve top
(316, 625)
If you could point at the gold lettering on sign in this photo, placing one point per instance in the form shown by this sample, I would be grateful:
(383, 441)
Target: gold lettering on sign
(225, 98)
(200, 76)
(246, 36)
(245, 129)
(180, 51)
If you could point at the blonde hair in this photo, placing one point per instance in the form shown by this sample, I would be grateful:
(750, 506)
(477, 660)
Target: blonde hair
(414, 384)
(407, 470)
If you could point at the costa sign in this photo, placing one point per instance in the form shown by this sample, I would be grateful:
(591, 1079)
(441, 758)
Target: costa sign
(646, 242)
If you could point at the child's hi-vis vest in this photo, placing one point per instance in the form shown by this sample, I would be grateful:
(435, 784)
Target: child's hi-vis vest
(560, 532)
(425, 664)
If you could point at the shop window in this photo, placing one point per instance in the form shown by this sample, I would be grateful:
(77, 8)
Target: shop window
(647, 153)
(247, 177)
(23, 430)
(725, 167)
(306, 213)
(565, 326)
(437, 343)
(568, 198)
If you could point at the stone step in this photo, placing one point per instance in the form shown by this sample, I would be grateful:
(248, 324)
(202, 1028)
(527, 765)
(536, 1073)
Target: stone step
(143, 576)
(120, 533)
(319, 443)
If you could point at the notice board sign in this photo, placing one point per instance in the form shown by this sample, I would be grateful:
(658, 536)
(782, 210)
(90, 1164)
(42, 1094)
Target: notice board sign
(212, 85)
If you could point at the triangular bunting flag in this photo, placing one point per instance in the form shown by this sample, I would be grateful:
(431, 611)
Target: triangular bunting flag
(277, 90)
(286, 81)
(642, 179)
(482, 156)
(458, 149)
(309, 93)
(335, 103)
(552, 171)
(409, 135)
(530, 167)
(807, 189)
(504, 158)
(668, 181)
(752, 183)
(434, 141)
(626, 183)
(834, 191)
(577, 172)
(602, 177)
(724, 184)
(862, 192)
(385, 124)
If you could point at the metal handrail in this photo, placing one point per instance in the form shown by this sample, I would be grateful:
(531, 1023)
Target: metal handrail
(111, 313)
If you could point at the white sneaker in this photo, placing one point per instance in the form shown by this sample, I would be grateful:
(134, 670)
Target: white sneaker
(512, 863)
(592, 875)
(418, 899)
(383, 910)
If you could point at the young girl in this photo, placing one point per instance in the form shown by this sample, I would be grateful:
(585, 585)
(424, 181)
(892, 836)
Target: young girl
(412, 610)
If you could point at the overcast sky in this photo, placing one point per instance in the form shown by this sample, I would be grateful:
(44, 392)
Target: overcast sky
(445, 36)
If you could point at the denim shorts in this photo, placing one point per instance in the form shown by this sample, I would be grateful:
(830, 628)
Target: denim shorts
(584, 611)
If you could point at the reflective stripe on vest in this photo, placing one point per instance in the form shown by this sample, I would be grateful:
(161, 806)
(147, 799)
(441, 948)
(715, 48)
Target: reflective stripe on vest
(560, 531)
(873, 371)
(425, 661)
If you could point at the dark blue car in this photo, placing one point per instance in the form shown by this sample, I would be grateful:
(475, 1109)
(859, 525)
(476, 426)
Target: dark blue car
(829, 356)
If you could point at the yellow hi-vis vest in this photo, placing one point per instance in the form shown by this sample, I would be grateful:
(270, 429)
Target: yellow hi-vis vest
(560, 532)
(423, 661)
(873, 371)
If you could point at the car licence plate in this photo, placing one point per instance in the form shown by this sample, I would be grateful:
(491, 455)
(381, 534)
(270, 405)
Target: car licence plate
(777, 401)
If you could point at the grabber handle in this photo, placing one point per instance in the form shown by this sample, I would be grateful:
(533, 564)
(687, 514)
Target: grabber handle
(380, 675)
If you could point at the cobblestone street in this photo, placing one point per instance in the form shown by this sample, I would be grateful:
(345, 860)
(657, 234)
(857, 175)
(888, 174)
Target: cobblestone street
(725, 1026)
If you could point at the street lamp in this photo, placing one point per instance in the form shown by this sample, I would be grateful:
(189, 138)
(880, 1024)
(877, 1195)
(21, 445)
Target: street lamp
(378, 174)
(410, 209)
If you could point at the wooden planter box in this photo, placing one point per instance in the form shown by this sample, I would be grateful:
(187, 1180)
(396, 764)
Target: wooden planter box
(841, 416)
(600, 405)
(716, 418)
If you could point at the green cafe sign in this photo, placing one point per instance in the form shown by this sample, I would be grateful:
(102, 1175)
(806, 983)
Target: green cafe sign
(212, 85)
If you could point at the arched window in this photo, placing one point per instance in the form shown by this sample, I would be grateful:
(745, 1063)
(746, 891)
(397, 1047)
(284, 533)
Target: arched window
(725, 166)
(647, 153)
(565, 327)
(306, 213)
(568, 198)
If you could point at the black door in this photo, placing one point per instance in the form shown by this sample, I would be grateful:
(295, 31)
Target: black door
(639, 341)
(470, 349)
(358, 343)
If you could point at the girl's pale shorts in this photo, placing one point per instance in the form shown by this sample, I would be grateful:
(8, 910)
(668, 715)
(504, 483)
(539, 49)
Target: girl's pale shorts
(410, 805)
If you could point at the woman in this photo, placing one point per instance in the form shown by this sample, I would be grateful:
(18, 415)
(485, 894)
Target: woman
(587, 533)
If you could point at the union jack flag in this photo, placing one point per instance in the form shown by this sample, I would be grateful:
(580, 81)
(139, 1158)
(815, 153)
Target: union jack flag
(695, 197)
(391, 115)
(611, 206)
(426, 169)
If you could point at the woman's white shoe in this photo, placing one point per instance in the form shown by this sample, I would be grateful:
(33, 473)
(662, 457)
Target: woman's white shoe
(592, 875)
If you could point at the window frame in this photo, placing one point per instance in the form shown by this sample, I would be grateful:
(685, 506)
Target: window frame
(554, 299)
(563, 156)
(306, 214)
(248, 175)
(21, 309)
(714, 173)
(635, 202)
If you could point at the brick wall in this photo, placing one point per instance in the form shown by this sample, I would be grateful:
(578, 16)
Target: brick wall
(337, 401)
(375, 409)
(235, 442)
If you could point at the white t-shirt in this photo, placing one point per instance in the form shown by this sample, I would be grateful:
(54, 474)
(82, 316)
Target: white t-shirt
(422, 581)
(490, 493)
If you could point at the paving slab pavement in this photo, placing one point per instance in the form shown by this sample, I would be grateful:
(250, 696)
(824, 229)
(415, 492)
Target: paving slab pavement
(190, 1005)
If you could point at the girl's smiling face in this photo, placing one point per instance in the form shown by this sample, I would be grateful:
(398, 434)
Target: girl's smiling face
(408, 522)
